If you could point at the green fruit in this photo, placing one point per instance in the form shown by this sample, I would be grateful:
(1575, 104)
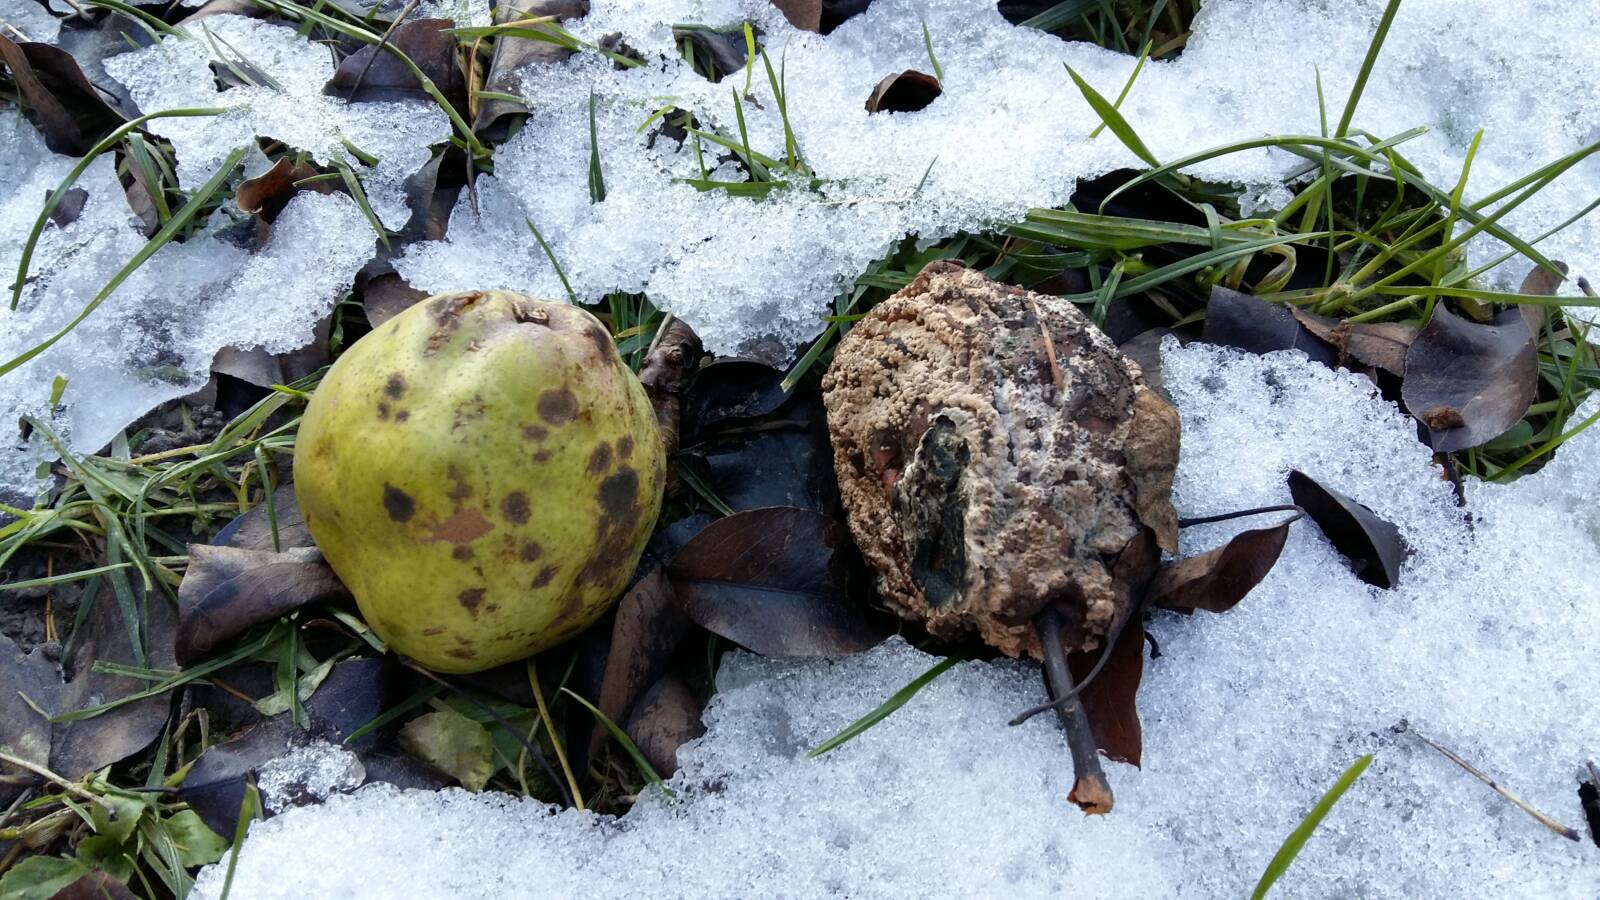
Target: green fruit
(482, 471)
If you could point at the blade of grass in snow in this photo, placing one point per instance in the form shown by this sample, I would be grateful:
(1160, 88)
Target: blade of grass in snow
(1297, 838)
(1126, 87)
(884, 710)
(1111, 118)
(1371, 59)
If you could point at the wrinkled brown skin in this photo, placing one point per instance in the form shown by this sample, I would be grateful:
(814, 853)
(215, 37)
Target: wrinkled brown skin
(996, 454)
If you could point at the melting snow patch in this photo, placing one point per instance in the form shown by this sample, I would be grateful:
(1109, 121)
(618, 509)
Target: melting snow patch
(284, 103)
(1009, 132)
(154, 338)
(1487, 646)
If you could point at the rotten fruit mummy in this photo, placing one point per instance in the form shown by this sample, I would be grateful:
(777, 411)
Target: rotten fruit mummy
(482, 471)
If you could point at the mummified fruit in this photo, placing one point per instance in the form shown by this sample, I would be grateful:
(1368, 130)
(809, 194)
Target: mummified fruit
(482, 471)
(997, 455)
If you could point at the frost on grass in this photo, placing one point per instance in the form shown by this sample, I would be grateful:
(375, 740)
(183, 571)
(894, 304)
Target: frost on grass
(1488, 646)
(281, 98)
(154, 338)
(1009, 132)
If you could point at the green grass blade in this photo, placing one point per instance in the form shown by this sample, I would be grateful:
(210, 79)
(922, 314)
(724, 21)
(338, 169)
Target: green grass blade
(66, 184)
(645, 769)
(551, 255)
(1126, 87)
(1297, 838)
(180, 219)
(1112, 119)
(900, 698)
(597, 178)
(1366, 67)
(927, 42)
(353, 185)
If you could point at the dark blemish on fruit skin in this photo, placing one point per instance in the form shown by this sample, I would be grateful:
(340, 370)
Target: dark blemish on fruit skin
(602, 343)
(435, 631)
(459, 490)
(402, 415)
(463, 527)
(618, 492)
(515, 508)
(600, 459)
(531, 551)
(383, 410)
(470, 599)
(625, 446)
(558, 406)
(534, 433)
(542, 456)
(462, 652)
(544, 577)
(395, 387)
(462, 553)
(398, 503)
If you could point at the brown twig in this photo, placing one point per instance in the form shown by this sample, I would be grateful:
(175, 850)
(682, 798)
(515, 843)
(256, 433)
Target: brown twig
(48, 775)
(1105, 655)
(1568, 833)
(1090, 790)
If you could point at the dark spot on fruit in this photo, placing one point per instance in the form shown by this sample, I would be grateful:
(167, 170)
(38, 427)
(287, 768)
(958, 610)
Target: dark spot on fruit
(461, 652)
(462, 553)
(602, 343)
(515, 508)
(398, 503)
(618, 492)
(600, 459)
(544, 577)
(625, 446)
(395, 387)
(531, 551)
(447, 312)
(402, 415)
(542, 456)
(435, 631)
(558, 406)
(470, 599)
(493, 607)
(383, 410)
(463, 527)
(534, 433)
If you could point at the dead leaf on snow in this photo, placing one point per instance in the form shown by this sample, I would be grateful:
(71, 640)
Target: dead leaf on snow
(1218, 579)
(1373, 545)
(67, 108)
(1470, 383)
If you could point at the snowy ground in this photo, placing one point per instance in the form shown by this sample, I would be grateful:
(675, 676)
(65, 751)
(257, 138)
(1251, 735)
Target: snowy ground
(1489, 645)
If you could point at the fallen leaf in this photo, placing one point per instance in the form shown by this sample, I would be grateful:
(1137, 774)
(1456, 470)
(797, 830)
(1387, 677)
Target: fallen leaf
(197, 844)
(513, 54)
(715, 53)
(1239, 320)
(41, 877)
(1110, 700)
(1467, 382)
(226, 590)
(904, 92)
(805, 15)
(782, 460)
(1540, 281)
(283, 529)
(453, 744)
(1218, 579)
(732, 389)
(1381, 345)
(268, 193)
(70, 208)
(23, 733)
(666, 717)
(775, 581)
(63, 103)
(837, 12)
(374, 74)
(1374, 547)
(387, 296)
(646, 631)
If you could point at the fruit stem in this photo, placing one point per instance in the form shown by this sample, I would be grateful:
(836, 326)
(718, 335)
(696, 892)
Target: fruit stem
(1090, 790)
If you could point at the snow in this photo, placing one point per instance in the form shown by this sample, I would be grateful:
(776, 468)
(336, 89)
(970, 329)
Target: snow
(286, 105)
(308, 773)
(28, 20)
(1487, 646)
(1010, 132)
(154, 338)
